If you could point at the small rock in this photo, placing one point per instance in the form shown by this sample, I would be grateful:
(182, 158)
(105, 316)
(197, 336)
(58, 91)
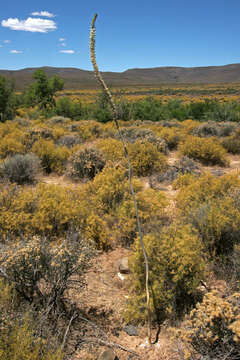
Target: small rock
(131, 330)
(121, 276)
(123, 266)
(217, 172)
(108, 355)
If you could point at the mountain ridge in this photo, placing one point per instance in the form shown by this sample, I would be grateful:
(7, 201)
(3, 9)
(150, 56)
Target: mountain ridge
(75, 78)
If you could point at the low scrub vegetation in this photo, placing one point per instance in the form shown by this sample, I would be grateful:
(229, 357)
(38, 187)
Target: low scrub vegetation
(208, 151)
(65, 204)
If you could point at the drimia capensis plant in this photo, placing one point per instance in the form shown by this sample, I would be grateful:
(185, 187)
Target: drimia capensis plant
(115, 119)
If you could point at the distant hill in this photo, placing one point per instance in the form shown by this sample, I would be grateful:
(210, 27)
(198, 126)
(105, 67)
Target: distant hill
(77, 79)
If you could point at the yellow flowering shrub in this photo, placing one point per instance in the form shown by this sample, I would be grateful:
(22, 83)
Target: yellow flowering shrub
(48, 210)
(53, 158)
(144, 156)
(183, 180)
(206, 150)
(112, 149)
(89, 129)
(211, 205)
(171, 135)
(176, 267)
(189, 125)
(146, 159)
(58, 132)
(212, 328)
(11, 145)
(110, 213)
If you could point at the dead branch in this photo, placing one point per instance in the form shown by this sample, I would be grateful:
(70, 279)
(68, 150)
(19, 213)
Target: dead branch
(67, 330)
(110, 345)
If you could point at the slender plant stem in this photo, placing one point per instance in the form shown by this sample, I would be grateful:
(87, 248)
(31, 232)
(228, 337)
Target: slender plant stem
(115, 118)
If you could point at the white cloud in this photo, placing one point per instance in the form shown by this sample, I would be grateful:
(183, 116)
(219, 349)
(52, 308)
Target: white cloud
(63, 44)
(67, 51)
(30, 24)
(43, 13)
(1, 46)
(15, 51)
(6, 41)
(62, 39)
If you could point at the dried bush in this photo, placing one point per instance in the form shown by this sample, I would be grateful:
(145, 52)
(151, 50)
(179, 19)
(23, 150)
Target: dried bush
(207, 129)
(231, 144)
(212, 330)
(227, 128)
(183, 166)
(133, 134)
(86, 163)
(177, 266)
(37, 133)
(170, 123)
(58, 120)
(212, 128)
(20, 169)
(23, 122)
(40, 272)
(208, 151)
(69, 140)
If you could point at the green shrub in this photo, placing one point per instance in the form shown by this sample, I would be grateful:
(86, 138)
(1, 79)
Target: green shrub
(58, 120)
(207, 151)
(20, 169)
(228, 111)
(85, 163)
(176, 268)
(20, 343)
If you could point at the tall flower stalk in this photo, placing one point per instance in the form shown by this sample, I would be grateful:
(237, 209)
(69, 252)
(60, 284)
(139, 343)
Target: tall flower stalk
(115, 118)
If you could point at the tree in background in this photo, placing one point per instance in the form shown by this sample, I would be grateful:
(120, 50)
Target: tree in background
(42, 91)
(6, 92)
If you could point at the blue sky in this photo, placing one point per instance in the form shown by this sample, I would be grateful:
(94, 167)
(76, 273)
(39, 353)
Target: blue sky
(130, 33)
